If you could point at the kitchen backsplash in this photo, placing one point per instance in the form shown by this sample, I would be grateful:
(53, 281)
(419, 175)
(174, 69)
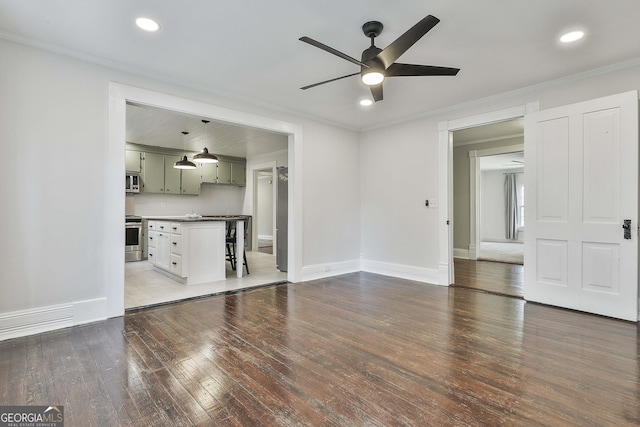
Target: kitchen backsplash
(213, 200)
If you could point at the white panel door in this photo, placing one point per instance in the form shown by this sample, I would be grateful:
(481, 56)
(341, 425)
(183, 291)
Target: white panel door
(582, 183)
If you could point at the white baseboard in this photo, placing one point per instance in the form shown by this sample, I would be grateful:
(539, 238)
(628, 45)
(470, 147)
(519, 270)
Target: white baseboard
(265, 237)
(320, 271)
(460, 253)
(492, 240)
(43, 319)
(473, 251)
(409, 272)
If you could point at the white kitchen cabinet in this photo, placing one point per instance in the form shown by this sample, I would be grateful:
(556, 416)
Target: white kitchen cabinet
(163, 250)
(189, 252)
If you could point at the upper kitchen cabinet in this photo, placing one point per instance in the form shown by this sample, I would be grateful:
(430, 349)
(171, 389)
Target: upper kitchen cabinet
(208, 172)
(152, 173)
(155, 165)
(190, 183)
(160, 177)
(239, 174)
(133, 161)
(171, 175)
(232, 171)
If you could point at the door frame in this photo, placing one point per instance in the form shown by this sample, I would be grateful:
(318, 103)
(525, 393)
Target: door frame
(475, 194)
(256, 208)
(445, 177)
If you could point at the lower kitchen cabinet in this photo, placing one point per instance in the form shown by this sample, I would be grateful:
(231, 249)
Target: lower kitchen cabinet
(163, 252)
(191, 252)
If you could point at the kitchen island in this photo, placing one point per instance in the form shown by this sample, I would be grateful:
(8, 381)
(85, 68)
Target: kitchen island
(191, 248)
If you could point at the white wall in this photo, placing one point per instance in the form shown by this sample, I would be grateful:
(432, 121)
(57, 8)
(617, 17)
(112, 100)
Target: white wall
(399, 169)
(53, 120)
(363, 195)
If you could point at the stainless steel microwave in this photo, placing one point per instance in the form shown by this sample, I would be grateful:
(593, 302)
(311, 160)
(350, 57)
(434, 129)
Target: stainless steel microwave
(132, 182)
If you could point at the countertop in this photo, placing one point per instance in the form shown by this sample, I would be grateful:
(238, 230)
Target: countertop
(202, 218)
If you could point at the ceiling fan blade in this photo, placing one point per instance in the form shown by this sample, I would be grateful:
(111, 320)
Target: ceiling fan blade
(376, 91)
(400, 45)
(397, 69)
(326, 48)
(328, 81)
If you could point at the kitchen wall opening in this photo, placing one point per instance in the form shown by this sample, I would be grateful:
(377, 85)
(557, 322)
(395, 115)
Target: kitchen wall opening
(186, 202)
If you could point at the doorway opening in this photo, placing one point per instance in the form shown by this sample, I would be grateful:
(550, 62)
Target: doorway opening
(488, 254)
(264, 210)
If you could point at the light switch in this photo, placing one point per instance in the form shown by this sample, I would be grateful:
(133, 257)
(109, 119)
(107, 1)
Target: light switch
(431, 203)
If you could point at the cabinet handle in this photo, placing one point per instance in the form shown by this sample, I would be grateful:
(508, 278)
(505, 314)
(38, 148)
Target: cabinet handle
(150, 238)
(174, 263)
(175, 243)
(175, 228)
(150, 254)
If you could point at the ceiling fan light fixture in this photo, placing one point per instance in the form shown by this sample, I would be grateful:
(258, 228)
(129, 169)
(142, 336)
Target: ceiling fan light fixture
(366, 102)
(372, 77)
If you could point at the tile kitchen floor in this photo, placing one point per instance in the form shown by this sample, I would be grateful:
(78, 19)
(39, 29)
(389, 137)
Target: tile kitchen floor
(144, 286)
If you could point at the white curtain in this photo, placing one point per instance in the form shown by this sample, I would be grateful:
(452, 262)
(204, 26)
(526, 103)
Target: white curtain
(512, 211)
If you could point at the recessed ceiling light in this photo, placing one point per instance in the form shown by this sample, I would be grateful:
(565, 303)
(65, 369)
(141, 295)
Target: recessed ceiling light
(572, 36)
(366, 102)
(147, 24)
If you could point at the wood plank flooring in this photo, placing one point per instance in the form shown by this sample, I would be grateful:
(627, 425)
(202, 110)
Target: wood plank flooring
(489, 276)
(352, 350)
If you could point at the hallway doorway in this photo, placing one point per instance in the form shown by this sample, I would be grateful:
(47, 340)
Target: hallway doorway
(486, 256)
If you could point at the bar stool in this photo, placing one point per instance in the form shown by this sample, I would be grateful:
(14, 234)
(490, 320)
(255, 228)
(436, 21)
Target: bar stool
(231, 246)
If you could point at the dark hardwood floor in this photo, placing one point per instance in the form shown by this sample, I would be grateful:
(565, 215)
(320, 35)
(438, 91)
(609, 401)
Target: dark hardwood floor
(489, 276)
(353, 350)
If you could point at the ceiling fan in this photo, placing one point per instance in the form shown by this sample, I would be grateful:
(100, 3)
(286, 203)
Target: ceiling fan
(376, 63)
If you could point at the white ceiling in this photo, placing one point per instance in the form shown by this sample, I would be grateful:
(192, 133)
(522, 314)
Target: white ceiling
(161, 128)
(502, 161)
(249, 50)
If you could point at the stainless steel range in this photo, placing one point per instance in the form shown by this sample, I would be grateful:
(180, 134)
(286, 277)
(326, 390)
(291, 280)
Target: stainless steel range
(133, 238)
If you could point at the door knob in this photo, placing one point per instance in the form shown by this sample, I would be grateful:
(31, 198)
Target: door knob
(626, 226)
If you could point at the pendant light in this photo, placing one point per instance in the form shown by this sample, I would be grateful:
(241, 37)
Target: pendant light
(184, 163)
(204, 156)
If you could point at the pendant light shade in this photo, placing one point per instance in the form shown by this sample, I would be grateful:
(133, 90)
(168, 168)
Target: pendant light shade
(184, 163)
(204, 156)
